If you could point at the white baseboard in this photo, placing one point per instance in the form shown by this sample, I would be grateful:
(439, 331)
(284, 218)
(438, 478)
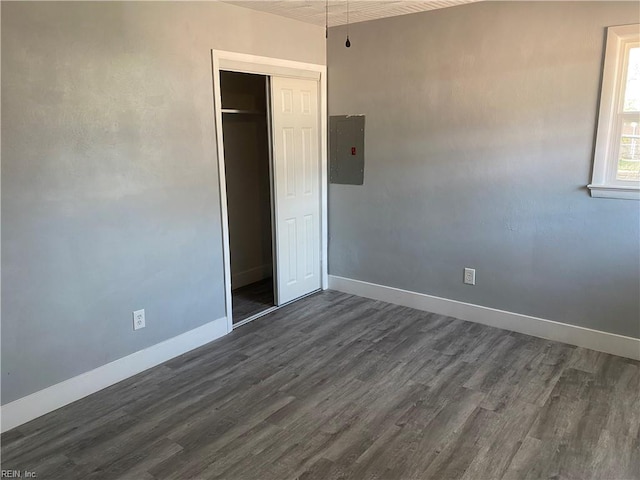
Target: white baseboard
(538, 327)
(250, 276)
(51, 398)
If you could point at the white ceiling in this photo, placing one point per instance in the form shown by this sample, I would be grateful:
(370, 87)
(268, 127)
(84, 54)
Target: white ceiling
(313, 11)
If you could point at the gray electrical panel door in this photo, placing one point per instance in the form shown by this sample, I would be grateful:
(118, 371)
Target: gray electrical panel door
(346, 146)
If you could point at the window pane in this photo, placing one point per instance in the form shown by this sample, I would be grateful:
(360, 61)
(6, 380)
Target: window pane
(632, 85)
(629, 154)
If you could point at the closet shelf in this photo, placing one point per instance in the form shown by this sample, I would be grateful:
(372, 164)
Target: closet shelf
(243, 112)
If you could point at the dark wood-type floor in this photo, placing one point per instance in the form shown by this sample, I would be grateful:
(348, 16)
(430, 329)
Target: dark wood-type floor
(251, 299)
(336, 386)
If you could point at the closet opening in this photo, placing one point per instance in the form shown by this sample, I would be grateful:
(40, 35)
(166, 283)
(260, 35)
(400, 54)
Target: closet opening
(249, 180)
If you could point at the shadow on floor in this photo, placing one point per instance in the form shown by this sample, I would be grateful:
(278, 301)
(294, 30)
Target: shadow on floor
(252, 299)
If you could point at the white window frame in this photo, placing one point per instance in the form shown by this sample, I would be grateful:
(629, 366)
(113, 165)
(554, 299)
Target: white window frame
(605, 164)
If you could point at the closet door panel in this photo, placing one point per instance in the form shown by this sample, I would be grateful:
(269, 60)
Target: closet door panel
(297, 186)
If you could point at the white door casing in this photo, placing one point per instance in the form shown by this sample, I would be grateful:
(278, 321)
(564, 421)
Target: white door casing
(297, 186)
(273, 67)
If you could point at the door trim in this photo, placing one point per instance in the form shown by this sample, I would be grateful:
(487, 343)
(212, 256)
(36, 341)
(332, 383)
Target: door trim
(240, 62)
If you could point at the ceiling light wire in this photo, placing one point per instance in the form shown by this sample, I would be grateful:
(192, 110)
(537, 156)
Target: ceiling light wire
(348, 42)
(326, 19)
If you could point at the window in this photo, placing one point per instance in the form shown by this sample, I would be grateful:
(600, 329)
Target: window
(616, 167)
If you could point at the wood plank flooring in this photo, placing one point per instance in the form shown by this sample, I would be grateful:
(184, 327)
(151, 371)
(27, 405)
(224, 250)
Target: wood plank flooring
(337, 386)
(251, 299)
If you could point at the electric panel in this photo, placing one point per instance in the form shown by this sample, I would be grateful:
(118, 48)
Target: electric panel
(346, 147)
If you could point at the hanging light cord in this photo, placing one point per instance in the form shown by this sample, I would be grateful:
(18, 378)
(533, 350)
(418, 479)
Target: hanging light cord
(347, 18)
(348, 42)
(326, 20)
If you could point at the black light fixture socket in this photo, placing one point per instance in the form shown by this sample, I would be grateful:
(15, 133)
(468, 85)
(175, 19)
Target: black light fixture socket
(348, 42)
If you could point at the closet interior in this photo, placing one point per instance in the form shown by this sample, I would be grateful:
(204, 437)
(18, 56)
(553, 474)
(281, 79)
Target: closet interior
(245, 126)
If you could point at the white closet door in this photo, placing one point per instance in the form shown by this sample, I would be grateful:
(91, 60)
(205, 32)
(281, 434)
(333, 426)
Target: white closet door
(297, 186)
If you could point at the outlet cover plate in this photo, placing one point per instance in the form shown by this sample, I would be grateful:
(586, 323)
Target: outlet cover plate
(470, 276)
(138, 319)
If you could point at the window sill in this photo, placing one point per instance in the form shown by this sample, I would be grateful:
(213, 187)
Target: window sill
(614, 191)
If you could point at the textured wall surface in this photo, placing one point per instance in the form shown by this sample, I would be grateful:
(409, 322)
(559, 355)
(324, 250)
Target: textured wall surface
(110, 198)
(480, 133)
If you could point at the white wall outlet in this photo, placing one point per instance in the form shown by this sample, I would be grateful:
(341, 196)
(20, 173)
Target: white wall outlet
(138, 319)
(470, 276)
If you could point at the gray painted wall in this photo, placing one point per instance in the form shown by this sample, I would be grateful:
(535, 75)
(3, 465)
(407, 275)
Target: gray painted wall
(110, 197)
(479, 140)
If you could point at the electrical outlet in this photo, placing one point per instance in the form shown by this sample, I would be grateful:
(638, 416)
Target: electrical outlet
(470, 276)
(138, 319)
